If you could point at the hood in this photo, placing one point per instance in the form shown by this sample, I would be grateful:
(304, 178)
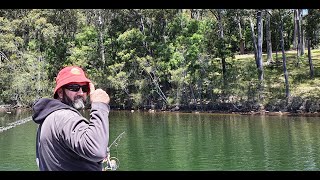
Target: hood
(45, 106)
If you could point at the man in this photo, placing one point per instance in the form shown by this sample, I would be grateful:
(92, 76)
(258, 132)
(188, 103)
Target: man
(67, 141)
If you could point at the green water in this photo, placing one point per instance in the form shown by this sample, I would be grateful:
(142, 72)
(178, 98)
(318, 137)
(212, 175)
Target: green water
(187, 142)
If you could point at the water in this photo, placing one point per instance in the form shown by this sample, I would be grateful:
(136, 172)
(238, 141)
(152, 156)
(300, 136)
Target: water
(187, 142)
(17, 141)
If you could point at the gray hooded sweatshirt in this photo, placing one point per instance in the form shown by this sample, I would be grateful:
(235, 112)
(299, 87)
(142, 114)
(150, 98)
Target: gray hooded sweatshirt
(67, 141)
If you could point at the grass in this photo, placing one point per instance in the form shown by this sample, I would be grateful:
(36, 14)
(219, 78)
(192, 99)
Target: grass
(300, 83)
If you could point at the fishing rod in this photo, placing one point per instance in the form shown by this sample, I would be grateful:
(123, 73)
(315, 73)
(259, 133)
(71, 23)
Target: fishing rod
(115, 141)
(112, 163)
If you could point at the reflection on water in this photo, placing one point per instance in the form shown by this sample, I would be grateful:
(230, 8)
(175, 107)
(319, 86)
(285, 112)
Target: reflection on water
(17, 141)
(191, 142)
(9, 117)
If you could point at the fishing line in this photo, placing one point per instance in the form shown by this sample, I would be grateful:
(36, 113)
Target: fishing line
(112, 163)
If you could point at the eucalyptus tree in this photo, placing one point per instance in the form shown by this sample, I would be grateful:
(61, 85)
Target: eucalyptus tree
(82, 51)
(197, 14)
(10, 47)
(236, 38)
(235, 29)
(257, 44)
(154, 24)
(275, 33)
(259, 60)
(141, 42)
(283, 13)
(298, 24)
(295, 28)
(12, 14)
(313, 27)
(25, 41)
(100, 22)
(218, 13)
(254, 39)
(68, 22)
(101, 19)
(302, 37)
(144, 54)
(312, 31)
(40, 34)
(192, 46)
(117, 71)
(268, 37)
(310, 60)
(220, 43)
(221, 47)
(182, 91)
(239, 20)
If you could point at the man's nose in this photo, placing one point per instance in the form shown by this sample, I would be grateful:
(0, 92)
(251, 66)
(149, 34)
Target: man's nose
(80, 91)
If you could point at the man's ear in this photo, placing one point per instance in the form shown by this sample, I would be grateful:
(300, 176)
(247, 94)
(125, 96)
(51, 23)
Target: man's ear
(60, 93)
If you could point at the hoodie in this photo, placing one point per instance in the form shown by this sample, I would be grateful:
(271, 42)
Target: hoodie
(67, 141)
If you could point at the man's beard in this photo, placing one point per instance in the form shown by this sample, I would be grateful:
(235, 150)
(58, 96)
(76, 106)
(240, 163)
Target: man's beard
(78, 102)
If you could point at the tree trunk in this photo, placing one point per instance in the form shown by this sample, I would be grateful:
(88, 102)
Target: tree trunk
(195, 14)
(277, 46)
(102, 50)
(200, 94)
(253, 40)
(220, 23)
(241, 38)
(269, 44)
(223, 58)
(101, 44)
(310, 60)
(302, 33)
(299, 37)
(295, 18)
(259, 55)
(284, 61)
(302, 40)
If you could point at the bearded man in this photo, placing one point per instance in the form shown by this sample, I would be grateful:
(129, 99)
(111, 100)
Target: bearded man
(66, 140)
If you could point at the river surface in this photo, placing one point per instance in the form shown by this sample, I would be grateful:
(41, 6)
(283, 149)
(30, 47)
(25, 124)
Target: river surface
(164, 141)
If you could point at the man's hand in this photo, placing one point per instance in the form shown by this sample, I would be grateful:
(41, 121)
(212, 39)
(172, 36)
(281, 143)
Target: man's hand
(98, 95)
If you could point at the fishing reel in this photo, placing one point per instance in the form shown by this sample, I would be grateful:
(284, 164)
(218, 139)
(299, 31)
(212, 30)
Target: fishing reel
(110, 163)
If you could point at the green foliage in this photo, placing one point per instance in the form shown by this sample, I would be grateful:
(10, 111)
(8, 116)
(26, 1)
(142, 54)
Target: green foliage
(137, 100)
(119, 81)
(130, 38)
(152, 56)
(87, 36)
(176, 26)
(82, 50)
(312, 21)
(176, 60)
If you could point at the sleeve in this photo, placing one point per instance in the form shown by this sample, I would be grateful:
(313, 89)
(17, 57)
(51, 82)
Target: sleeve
(89, 139)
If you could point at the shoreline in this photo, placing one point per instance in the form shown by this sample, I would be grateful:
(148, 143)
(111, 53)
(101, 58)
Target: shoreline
(251, 113)
(9, 109)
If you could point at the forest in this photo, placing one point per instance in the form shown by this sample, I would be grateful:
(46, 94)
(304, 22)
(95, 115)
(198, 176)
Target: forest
(212, 60)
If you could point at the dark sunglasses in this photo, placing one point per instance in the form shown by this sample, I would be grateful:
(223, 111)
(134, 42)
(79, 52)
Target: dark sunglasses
(76, 87)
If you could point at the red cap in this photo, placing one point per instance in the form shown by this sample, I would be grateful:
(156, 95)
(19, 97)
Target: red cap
(68, 75)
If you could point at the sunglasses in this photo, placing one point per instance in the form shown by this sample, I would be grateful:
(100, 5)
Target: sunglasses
(76, 87)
